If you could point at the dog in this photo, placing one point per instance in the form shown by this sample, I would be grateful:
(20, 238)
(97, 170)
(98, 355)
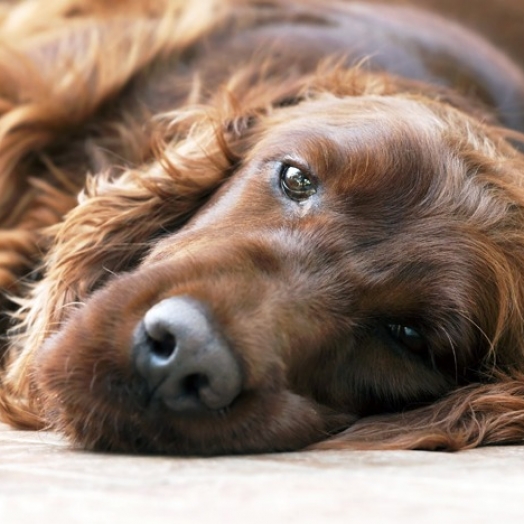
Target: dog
(232, 226)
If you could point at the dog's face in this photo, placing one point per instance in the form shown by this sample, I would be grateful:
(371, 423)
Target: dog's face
(349, 267)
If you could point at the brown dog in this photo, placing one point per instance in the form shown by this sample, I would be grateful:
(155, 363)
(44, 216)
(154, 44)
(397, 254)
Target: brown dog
(299, 223)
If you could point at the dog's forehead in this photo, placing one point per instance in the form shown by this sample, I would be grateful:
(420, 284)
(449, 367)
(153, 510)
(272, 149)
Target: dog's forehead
(347, 126)
(351, 116)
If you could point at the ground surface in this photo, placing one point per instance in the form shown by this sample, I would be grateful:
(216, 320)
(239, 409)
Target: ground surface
(42, 480)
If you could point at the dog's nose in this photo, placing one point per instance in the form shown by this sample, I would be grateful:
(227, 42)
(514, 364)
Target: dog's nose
(184, 358)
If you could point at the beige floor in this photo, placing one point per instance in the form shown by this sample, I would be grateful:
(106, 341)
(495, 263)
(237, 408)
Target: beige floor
(43, 481)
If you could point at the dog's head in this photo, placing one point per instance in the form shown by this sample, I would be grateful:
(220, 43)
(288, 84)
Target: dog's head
(340, 266)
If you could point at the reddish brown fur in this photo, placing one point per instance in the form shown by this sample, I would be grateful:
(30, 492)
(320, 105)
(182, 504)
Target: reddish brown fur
(172, 121)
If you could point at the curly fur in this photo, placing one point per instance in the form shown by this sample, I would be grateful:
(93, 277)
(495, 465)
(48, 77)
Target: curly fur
(158, 114)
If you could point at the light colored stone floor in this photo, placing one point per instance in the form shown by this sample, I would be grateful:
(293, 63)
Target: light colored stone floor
(43, 481)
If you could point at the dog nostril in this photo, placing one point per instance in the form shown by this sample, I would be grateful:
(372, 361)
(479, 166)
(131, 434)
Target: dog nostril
(192, 384)
(165, 347)
(183, 358)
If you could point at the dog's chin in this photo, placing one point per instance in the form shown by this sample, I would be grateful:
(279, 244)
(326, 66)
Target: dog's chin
(284, 423)
(121, 421)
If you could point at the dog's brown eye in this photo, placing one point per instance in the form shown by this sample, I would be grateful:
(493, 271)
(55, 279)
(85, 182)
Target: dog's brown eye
(296, 184)
(408, 337)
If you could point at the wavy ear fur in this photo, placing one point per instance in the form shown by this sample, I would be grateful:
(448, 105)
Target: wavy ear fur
(57, 74)
(469, 417)
(58, 109)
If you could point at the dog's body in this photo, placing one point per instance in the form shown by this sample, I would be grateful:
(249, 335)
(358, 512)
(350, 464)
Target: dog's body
(300, 223)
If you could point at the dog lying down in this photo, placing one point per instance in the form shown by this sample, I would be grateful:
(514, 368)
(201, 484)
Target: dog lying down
(241, 226)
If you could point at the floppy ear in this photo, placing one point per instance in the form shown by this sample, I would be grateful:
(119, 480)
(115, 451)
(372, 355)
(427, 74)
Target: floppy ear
(59, 65)
(472, 416)
(119, 215)
(194, 149)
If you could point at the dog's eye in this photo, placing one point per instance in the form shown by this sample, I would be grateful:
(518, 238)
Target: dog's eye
(296, 184)
(408, 337)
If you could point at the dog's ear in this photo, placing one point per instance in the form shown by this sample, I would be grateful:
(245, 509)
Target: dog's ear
(121, 213)
(475, 415)
(60, 66)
